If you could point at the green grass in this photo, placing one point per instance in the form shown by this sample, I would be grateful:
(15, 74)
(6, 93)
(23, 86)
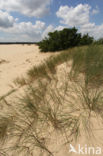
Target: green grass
(46, 69)
(20, 81)
(89, 61)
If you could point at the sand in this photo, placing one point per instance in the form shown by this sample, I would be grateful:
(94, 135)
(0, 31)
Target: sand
(15, 61)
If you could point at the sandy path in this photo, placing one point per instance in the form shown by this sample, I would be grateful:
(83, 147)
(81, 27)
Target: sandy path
(19, 59)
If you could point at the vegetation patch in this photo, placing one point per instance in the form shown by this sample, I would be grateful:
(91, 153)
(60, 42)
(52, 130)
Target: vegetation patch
(89, 61)
(64, 39)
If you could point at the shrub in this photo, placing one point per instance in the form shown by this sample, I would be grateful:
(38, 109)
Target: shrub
(86, 40)
(60, 40)
(99, 41)
(64, 39)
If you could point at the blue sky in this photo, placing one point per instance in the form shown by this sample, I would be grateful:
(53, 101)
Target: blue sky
(31, 20)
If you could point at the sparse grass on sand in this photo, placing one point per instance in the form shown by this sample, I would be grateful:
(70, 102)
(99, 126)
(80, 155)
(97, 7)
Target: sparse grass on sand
(62, 106)
(87, 60)
(46, 69)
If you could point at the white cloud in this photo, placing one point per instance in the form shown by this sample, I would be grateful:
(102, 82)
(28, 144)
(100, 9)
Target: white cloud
(25, 31)
(92, 29)
(87, 28)
(35, 8)
(74, 16)
(59, 28)
(79, 17)
(95, 11)
(14, 30)
(6, 20)
(50, 28)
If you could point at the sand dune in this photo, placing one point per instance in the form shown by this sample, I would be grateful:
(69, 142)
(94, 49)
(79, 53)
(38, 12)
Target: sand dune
(15, 61)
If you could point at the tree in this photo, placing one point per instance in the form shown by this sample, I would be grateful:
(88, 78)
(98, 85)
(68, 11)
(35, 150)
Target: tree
(86, 40)
(64, 39)
(99, 41)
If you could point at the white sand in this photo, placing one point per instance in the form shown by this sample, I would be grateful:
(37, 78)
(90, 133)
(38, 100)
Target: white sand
(19, 59)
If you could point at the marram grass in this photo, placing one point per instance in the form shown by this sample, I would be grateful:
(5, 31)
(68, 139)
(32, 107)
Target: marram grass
(62, 106)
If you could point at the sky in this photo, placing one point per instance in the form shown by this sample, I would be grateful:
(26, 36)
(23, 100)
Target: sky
(31, 20)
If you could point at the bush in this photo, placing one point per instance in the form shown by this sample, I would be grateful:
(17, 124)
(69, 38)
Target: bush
(60, 40)
(99, 41)
(86, 40)
(64, 39)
